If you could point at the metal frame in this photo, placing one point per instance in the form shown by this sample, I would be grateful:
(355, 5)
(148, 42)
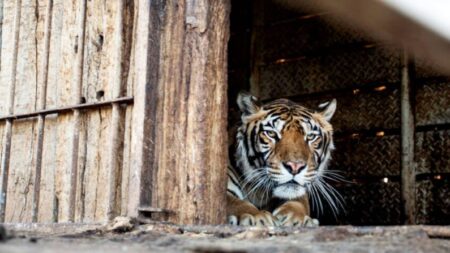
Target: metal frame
(408, 81)
(408, 172)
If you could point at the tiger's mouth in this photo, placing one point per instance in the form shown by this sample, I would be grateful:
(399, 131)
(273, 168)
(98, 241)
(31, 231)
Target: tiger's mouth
(291, 183)
(289, 190)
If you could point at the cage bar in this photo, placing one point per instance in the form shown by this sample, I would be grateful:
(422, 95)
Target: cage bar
(407, 143)
(8, 132)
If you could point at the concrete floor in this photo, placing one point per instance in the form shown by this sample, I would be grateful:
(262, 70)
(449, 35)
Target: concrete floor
(157, 237)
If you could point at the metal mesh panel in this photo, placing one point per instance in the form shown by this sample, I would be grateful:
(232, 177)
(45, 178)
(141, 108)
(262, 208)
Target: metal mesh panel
(348, 69)
(367, 156)
(305, 36)
(362, 111)
(303, 56)
(433, 104)
(276, 12)
(432, 152)
(433, 202)
(425, 69)
(369, 204)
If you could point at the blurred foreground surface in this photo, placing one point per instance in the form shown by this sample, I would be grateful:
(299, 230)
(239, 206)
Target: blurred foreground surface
(167, 238)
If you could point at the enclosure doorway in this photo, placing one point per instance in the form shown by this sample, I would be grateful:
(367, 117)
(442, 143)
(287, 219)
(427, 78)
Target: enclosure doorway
(311, 56)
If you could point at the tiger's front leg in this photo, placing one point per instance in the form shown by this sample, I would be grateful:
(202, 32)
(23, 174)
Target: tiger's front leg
(241, 212)
(295, 213)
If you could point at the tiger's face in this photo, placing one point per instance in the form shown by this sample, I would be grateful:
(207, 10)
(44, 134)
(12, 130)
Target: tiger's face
(282, 146)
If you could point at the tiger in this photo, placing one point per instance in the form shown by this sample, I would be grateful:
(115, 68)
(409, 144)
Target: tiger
(281, 154)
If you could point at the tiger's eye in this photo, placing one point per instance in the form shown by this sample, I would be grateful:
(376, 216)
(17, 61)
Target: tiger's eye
(310, 136)
(270, 133)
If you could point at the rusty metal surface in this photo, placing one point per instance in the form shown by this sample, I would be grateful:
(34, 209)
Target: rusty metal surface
(425, 68)
(367, 156)
(433, 103)
(311, 56)
(308, 36)
(275, 12)
(433, 202)
(330, 72)
(361, 111)
(375, 203)
(433, 151)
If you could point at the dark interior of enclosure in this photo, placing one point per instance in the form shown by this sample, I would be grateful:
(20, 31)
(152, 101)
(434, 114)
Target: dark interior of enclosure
(310, 57)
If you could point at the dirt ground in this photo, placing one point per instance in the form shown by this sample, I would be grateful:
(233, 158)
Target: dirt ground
(159, 237)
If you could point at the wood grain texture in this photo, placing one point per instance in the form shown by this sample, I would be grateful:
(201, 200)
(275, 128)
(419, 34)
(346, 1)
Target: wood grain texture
(170, 147)
(179, 160)
(191, 135)
(99, 65)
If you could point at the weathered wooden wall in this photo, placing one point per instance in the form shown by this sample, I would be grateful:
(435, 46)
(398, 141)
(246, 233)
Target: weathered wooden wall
(97, 80)
(167, 150)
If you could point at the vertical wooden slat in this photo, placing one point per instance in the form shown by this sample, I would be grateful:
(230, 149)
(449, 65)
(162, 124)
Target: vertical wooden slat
(407, 139)
(10, 110)
(1, 29)
(146, 64)
(76, 89)
(114, 147)
(41, 106)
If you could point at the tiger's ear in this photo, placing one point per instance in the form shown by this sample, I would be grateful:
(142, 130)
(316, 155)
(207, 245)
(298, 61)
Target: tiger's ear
(328, 109)
(247, 103)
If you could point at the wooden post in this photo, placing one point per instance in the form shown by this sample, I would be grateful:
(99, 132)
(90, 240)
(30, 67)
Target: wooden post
(183, 46)
(407, 139)
(145, 79)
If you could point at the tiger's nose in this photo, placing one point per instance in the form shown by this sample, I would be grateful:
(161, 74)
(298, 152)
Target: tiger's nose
(294, 167)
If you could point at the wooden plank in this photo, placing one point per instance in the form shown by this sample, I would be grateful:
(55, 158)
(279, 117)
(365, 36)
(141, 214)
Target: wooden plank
(146, 69)
(77, 99)
(1, 30)
(116, 135)
(41, 120)
(127, 154)
(5, 162)
(107, 49)
(129, 60)
(190, 155)
(62, 85)
(48, 205)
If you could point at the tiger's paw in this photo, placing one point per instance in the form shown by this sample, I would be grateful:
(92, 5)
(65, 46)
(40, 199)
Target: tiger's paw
(262, 218)
(292, 215)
